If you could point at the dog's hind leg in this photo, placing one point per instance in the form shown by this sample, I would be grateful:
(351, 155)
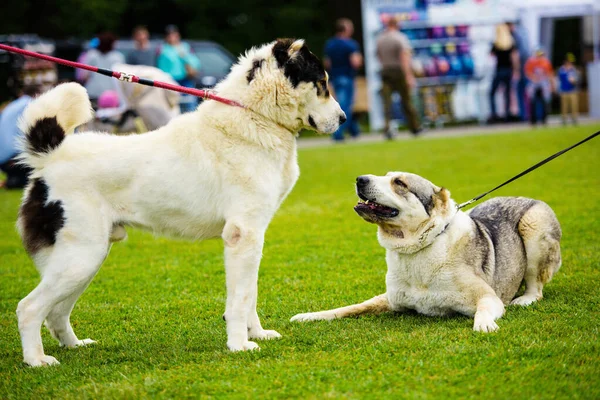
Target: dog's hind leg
(541, 234)
(376, 305)
(68, 270)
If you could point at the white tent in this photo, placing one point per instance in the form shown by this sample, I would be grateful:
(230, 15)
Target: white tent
(536, 16)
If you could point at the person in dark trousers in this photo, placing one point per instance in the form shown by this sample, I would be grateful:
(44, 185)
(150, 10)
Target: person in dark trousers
(507, 69)
(143, 53)
(342, 60)
(395, 53)
(520, 37)
(541, 85)
(16, 174)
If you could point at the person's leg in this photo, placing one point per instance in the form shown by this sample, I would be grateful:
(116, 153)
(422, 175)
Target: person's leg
(532, 104)
(575, 107)
(386, 95)
(17, 175)
(507, 82)
(493, 89)
(351, 122)
(564, 105)
(543, 105)
(521, 97)
(410, 114)
(342, 88)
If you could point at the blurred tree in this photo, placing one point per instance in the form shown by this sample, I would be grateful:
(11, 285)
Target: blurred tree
(237, 25)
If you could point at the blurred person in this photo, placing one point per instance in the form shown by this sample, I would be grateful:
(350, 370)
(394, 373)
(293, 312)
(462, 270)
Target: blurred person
(16, 174)
(81, 74)
(395, 55)
(342, 60)
(568, 78)
(519, 35)
(104, 56)
(541, 85)
(143, 53)
(507, 69)
(176, 59)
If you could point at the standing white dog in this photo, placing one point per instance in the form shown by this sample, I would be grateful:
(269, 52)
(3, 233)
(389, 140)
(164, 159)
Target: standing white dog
(218, 171)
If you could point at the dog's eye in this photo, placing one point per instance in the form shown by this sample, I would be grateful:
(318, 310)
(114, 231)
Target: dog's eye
(398, 182)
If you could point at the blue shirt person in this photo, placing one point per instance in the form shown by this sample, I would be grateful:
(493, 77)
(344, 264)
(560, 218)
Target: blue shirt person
(568, 78)
(9, 132)
(10, 135)
(342, 59)
(176, 59)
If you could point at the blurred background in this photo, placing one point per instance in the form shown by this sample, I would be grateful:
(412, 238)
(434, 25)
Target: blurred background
(450, 42)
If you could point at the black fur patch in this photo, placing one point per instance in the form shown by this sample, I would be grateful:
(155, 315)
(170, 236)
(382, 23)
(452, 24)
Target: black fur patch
(41, 220)
(304, 67)
(311, 121)
(44, 136)
(257, 64)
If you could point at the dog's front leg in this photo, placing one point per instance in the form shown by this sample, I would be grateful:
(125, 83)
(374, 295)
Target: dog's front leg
(243, 251)
(255, 329)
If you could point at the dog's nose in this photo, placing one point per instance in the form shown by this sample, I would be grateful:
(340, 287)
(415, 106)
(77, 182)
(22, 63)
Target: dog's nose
(343, 118)
(362, 181)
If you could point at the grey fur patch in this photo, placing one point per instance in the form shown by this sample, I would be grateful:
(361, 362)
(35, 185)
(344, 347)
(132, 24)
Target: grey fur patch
(497, 221)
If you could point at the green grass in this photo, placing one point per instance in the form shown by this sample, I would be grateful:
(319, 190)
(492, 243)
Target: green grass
(156, 305)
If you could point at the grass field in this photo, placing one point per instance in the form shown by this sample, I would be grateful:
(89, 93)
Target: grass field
(156, 305)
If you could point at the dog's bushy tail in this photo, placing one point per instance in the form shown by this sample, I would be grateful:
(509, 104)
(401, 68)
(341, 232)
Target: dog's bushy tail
(49, 118)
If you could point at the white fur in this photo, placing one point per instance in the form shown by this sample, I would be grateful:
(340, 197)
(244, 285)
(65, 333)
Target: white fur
(221, 171)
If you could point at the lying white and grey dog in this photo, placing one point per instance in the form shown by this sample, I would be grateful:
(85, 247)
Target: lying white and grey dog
(220, 171)
(441, 260)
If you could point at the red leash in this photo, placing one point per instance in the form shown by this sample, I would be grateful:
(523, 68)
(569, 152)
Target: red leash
(122, 76)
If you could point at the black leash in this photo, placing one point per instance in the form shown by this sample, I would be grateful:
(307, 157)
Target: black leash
(528, 170)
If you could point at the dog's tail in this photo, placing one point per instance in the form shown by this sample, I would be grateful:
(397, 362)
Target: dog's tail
(49, 118)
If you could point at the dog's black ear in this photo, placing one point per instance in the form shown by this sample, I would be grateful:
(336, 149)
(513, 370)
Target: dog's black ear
(297, 62)
(285, 50)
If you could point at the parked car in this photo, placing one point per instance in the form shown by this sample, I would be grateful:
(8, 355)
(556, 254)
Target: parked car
(215, 60)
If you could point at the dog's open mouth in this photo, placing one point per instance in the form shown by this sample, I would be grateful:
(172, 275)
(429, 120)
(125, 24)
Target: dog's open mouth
(373, 208)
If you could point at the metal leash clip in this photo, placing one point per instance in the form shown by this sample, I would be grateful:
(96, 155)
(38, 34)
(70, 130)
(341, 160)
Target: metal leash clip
(208, 93)
(125, 77)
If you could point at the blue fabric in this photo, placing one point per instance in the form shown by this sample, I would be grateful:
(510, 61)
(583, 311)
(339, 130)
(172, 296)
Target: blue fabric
(172, 60)
(187, 102)
(9, 133)
(538, 107)
(503, 76)
(344, 93)
(338, 51)
(521, 86)
(564, 74)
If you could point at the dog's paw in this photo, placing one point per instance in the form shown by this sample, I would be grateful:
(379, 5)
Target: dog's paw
(245, 346)
(263, 334)
(84, 342)
(316, 316)
(41, 361)
(484, 322)
(524, 301)
(78, 343)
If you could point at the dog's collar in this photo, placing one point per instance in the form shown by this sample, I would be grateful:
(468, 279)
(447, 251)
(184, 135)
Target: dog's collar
(442, 232)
